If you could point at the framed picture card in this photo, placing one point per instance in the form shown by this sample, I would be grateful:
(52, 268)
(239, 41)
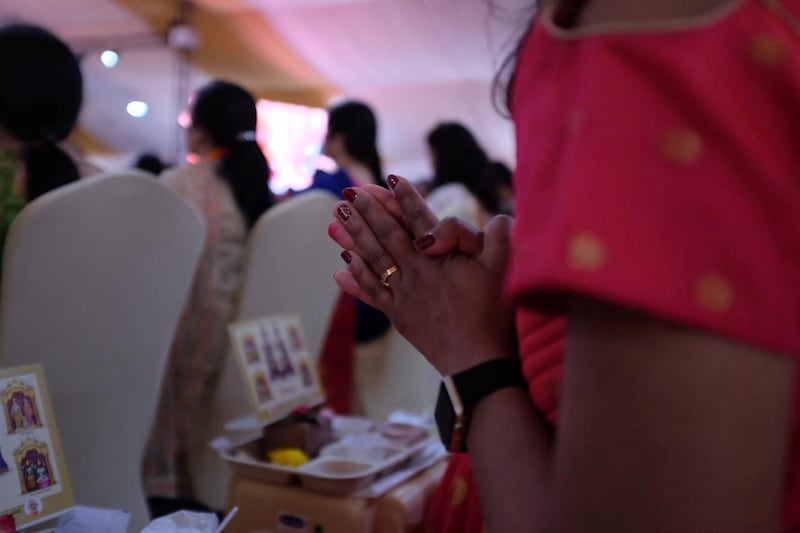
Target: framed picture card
(276, 366)
(33, 474)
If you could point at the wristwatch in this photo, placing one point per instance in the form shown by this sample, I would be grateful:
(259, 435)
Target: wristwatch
(461, 392)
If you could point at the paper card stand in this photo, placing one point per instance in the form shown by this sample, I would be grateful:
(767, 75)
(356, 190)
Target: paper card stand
(33, 476)
(277, 368)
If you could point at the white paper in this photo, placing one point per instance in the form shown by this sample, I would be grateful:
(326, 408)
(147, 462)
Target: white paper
(431, 454)
(184, 522)
(401, 416)
(93, 520)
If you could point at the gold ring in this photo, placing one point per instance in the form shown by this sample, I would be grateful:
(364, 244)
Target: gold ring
(388, 274)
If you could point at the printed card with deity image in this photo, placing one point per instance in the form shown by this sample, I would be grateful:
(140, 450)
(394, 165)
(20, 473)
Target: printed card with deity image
(276, 366)
(33, 474)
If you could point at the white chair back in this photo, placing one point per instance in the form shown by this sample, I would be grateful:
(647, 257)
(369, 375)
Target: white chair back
(95, 276)
(289, 268)
(391, 374)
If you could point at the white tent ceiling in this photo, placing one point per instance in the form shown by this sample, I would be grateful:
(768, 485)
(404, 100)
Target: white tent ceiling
(416, 61)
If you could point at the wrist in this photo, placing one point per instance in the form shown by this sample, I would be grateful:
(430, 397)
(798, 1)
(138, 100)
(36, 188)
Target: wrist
(469, 353)
(462, 364)
(462, 392)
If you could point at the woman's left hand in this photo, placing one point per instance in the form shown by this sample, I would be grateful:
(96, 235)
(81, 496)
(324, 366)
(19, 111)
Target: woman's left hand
(450, 307)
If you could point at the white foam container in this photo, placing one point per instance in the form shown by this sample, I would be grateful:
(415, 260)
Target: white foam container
(342, 467)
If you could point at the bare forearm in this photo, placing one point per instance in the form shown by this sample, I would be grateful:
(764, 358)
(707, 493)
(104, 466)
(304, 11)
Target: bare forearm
(510, 448)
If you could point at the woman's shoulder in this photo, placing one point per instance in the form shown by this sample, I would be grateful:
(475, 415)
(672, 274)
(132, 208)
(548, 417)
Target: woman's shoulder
(666, 177)
(657, 18)
(712, 36)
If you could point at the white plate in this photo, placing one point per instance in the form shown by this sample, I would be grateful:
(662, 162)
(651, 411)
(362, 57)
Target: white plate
(345, 466)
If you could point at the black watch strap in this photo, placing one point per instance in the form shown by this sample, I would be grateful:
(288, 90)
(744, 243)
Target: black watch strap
(461, 392)
(474, 384)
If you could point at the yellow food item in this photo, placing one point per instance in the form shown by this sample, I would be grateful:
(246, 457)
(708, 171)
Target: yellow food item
(287, 457)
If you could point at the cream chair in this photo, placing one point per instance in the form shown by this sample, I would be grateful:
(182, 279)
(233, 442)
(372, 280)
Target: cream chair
(95, 275)
(289, 268)
(391, 374)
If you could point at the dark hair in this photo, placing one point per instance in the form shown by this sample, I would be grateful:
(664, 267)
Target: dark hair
(568, 13)
(40, 98)
(458, 158)
(227, 113)
(356, 121)
(150, 163)
(500, 174)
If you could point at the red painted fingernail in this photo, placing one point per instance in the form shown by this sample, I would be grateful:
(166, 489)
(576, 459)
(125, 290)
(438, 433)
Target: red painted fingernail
(349, 194)
(347, 257)
(344, 212)
(426, 241)
(392, 181)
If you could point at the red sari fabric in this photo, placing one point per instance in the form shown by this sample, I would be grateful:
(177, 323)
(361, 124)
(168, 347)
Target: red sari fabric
(337, 356)
(658, 167)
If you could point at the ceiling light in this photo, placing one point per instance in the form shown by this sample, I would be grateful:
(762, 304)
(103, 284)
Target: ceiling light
(137, 109)
(109, 58)
(182, 37)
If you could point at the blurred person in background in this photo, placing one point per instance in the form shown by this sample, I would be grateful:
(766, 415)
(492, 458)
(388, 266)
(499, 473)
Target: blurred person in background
(352, 143)
(40, 98)
(229, 187)
(461, 185)
(501, 176)
(150, 163)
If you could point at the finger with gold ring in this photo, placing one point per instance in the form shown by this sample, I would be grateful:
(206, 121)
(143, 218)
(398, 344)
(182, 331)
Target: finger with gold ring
(388, 274)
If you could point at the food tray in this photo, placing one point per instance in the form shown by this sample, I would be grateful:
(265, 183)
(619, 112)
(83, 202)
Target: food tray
(346, 465)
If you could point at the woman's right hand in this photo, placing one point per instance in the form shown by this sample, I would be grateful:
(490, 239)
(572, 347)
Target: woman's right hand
(450, 307)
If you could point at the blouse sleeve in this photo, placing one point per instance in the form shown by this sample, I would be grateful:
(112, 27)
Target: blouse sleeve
(662, 172)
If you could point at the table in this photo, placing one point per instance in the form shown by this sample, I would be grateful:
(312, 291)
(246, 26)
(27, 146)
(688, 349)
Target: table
(265, 508)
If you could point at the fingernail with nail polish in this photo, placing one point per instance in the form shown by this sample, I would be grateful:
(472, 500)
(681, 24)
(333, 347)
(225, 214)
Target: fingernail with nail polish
(426, 241)
(347, 257)
(344, 212)
(349, 194)
(392, 181)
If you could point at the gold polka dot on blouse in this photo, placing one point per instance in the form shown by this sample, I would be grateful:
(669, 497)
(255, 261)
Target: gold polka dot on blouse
(714, 293)
(766, 50)
(681, 146)
(585, 252)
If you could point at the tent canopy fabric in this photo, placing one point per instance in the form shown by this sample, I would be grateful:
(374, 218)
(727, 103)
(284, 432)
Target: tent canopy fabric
(417, 62)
